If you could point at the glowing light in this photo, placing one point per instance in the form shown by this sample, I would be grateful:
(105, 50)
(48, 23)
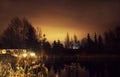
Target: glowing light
(25, 55)
(16, 55)
(56, 75)
(24, 50)
(3, 51)
(32, 54)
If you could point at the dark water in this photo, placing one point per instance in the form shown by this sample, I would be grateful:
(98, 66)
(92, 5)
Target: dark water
(62, 67)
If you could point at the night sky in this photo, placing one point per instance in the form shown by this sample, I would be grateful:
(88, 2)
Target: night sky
(57, 17)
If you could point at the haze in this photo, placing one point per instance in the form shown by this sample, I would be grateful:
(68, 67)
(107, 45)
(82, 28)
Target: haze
(57, 17)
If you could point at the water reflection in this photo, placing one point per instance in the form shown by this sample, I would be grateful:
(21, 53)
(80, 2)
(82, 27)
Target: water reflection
(72, 70)
(61, 67)
(85, 69)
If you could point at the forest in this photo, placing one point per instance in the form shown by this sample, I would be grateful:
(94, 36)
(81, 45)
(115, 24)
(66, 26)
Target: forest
(20, 34)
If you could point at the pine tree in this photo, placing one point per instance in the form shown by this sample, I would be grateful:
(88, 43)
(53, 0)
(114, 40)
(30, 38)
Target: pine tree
(67, 41)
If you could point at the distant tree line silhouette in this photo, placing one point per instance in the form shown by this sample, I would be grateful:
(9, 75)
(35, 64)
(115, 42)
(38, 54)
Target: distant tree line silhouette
(21, 34)
(112, 40)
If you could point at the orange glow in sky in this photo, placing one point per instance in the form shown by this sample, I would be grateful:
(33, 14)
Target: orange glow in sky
(57, 17)
(59, 33)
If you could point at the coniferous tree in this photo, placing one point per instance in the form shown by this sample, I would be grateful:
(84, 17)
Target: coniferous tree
(84, 43)
(45, 44)
(95, 43)
(117, 38)
(112, 40)
(67, 41)
(75, 38)
(89, 43)
(95, 38)
(100, 44)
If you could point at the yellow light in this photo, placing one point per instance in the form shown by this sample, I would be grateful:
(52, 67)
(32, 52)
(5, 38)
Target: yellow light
(16, 55)
(24, 50)
(56, 75)
(32, 54)
(3, 51)
(25, 55)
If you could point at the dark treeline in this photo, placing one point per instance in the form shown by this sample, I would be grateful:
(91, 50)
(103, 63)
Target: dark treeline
(20, 34)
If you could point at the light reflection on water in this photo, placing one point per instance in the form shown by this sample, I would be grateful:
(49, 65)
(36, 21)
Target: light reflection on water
(62, 67)
(72, 70)
(87, 69)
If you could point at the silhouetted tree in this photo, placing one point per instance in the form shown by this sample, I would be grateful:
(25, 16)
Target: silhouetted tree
(11, 37)
(75, 39)
(117, 38)
(100, 44)
(31, 38)
(39, 33)
(90, 44)
(84, 43)
(95, 38)
(95, 46)
(19, 34)
(60, 45)
(112, 40)
(57, 45)
(54, 44)
(67, 41)
(45, 44)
